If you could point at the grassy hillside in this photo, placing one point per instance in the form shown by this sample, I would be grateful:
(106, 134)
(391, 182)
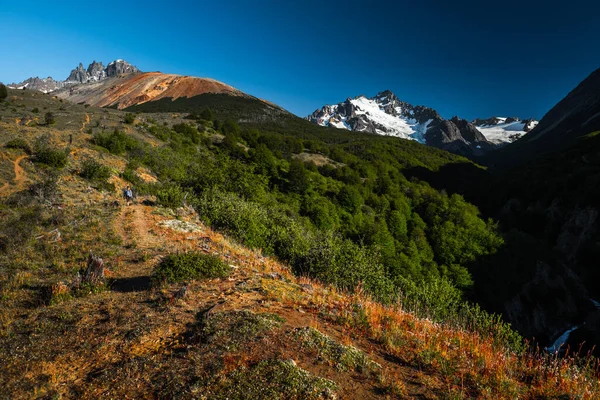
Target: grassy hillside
(221, 281)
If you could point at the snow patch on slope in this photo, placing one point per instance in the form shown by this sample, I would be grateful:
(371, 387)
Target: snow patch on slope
(502, 132)
(390, 125)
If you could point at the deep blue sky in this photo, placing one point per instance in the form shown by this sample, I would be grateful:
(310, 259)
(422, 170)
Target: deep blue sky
(466, 58)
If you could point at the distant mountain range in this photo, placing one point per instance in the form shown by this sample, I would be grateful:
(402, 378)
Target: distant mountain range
(122, 85)
(94, 72)
(386, 114)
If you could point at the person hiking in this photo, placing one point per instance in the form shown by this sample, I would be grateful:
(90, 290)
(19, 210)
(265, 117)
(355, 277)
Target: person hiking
(128, 195)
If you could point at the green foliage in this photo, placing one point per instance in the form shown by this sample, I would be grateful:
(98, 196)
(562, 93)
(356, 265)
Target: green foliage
(439, 300)
(169, 194)
(230, 128)
(35, 110)
(94, 171)
(49, 118)
(183, 267)
(19, 143)
(188, 131)
(207, 114)
(3, 92)
(116, 142)
(160, 131)
(47, 154)
(97, 173)
(366, 216)
(129, 118)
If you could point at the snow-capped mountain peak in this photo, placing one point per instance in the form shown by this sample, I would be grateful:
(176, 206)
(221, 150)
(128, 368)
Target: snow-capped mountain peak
(383, 114)
(386, 114)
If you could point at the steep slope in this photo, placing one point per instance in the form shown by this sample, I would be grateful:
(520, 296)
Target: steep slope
(502, 130)
(576, 115)
(385, 114)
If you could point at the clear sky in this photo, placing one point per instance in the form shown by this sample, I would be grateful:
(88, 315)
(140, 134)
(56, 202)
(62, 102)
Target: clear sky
(467, 58)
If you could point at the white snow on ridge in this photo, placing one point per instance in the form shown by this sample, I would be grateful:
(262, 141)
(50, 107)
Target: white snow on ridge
(389, 125)
(395, 125)
(501, 133)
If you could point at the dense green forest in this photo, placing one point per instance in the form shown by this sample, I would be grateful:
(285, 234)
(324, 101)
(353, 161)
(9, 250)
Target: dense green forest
(347, 209)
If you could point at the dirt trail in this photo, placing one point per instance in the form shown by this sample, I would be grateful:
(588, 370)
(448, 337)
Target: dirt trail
(18, 181)
(134, 225)
(84, 123)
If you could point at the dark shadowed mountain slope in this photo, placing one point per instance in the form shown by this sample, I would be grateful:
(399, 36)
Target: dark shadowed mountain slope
(576, 115)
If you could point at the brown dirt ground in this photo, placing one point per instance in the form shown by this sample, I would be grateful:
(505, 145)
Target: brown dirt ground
(19, 180)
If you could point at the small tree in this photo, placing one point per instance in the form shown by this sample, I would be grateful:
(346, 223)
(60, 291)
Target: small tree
(49, 117)
(207, 114)
(3, 92)
(129, 118)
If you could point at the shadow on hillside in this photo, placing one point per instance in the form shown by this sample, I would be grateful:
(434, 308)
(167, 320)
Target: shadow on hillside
(477, 185)
(133, 284)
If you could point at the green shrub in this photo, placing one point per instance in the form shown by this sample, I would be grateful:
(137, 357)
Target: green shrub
(188, 131)
(19, 143)
(161, 132)
(94, 171)
(207, 114)
(3, 92)
(129, 118)
(116, 142)
(324, 256)
(182, 267)
(438, 300)
(49, 118)
(35, 110)
(45, 153)
(131, 176)
(97, 173)
(169, 194)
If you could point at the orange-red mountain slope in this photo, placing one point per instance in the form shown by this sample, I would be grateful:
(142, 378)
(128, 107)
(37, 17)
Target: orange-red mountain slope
(129, 90)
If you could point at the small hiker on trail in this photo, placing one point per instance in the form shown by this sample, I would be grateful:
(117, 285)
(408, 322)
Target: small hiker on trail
(128, 195)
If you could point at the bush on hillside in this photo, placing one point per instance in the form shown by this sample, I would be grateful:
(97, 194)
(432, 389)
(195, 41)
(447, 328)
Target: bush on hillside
(169, 194)
(116, 142)
(46, 153)
(49, 118)
(97, 173)
(3, 92)
(19, 143)
(129, 118)
(94, 171)
(183, 267)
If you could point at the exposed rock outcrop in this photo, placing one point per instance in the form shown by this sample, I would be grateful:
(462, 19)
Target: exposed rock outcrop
(94, 72)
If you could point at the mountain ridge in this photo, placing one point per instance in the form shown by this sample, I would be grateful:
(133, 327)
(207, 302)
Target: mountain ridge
(386, 114)
(94, 72)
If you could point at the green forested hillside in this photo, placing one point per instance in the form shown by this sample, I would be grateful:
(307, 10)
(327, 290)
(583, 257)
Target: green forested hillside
(343, 207)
